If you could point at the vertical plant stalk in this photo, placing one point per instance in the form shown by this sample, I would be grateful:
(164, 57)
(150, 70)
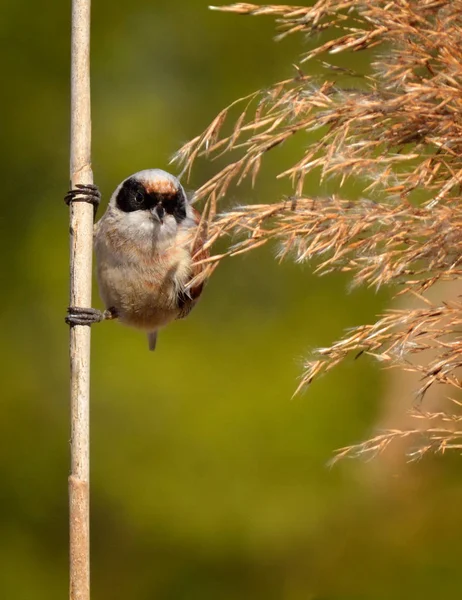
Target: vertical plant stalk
(81, 246)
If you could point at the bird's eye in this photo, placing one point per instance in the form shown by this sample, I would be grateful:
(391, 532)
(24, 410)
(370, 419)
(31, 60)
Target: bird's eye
(132, 195)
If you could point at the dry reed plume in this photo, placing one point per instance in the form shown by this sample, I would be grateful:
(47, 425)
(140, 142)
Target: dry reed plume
(397, 129)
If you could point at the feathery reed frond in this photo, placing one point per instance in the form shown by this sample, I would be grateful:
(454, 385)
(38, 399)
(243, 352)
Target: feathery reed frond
(397, 129)
(437, 440)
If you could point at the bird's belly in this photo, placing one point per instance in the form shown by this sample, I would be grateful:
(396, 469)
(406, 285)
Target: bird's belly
(141, 298)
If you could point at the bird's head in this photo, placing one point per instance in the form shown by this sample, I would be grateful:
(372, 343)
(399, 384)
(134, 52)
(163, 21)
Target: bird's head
(154, 195)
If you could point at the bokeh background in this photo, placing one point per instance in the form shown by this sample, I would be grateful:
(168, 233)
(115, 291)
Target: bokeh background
(207, 480)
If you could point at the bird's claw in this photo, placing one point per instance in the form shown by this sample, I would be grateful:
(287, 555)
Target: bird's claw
(84, 193)
(77, 315)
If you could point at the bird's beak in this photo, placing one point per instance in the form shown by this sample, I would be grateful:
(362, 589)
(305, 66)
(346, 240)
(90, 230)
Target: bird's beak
(158, 212)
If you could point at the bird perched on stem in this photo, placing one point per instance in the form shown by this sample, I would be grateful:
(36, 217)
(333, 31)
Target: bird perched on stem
(144, 244)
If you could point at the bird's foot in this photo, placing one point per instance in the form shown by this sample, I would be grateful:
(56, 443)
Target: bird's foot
(84, 193)
(77, 315)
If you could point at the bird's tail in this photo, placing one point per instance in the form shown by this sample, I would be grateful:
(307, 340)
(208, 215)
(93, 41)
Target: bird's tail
(152, 340)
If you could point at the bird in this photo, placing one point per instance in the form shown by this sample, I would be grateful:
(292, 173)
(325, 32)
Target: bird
(144, 245)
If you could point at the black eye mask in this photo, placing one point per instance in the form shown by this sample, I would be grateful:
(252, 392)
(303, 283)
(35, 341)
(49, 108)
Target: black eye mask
(174, 204)
(133, 196)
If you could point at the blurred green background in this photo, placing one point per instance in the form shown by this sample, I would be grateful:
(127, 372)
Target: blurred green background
(207, 480)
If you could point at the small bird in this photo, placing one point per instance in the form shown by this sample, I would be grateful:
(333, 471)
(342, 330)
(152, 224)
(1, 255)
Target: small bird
(144, 244)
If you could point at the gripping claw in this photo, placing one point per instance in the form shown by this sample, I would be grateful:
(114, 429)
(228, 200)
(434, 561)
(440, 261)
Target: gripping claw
(84, 193)
(77, 315)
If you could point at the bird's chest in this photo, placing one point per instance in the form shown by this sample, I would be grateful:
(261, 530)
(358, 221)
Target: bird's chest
(142, 281)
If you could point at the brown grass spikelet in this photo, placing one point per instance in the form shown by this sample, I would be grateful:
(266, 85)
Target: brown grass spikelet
(397, 129)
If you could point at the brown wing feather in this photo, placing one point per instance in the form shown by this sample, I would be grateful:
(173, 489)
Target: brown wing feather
(187, 300)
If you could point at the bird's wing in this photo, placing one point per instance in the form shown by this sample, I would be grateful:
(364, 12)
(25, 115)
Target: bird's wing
(188, 298)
